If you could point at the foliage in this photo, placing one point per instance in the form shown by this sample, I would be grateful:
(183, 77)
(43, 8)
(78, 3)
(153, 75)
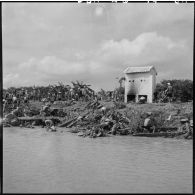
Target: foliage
(120, 90)
(136, 118)
(182, 89)
(119, 105)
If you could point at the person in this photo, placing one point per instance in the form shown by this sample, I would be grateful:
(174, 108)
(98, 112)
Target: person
(93, 132)
(188, 129)
(106, 123)
(184, 125)
(50, 125)
(169, 92)
(148, 124)
(191, 126)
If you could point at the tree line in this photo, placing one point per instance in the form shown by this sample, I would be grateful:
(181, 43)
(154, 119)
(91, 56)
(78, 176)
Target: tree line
(182, 89)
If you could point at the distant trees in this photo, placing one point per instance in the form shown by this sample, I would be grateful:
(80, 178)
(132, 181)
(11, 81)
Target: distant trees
(182, 89)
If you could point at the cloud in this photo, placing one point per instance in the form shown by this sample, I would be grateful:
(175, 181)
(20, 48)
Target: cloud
(145, 41)
(53, 66)
(47, 42)
(106, 62)
(10, 79)
(146, 49)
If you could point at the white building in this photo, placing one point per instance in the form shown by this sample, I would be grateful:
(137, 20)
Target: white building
(140, 81)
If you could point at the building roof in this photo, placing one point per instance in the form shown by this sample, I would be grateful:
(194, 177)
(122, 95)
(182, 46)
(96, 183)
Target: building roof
(139, 69)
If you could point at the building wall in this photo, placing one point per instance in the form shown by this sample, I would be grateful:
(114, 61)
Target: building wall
(140, 84)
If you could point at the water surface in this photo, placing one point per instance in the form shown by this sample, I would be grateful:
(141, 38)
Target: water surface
(36, 161)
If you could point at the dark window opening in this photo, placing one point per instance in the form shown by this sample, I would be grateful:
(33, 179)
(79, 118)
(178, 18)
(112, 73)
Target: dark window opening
(130, 98)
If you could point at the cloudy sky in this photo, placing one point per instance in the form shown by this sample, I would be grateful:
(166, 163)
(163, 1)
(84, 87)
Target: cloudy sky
(44, 43)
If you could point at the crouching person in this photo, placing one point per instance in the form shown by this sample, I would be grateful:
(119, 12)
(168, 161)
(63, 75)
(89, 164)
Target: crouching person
(148, 124)
(189, 129)
(50, 125)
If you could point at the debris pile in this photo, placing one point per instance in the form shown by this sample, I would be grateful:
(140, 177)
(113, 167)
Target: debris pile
(92, 114)
(98, 124)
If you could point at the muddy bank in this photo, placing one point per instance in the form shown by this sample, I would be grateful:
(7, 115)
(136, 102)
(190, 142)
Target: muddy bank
(101, 118)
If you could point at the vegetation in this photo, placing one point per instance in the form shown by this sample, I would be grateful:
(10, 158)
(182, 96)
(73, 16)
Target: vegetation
(182, 89)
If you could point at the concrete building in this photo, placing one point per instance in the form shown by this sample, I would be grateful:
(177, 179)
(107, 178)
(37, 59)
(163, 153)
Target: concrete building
(140, 81)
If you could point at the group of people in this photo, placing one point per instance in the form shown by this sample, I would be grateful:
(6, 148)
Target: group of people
(186, 126)
(112, 122)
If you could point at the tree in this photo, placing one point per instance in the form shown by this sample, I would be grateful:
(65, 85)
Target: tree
(182, 89)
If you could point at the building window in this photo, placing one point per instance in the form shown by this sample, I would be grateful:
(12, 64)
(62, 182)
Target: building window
(141, 80)
(129, 80)
(133, 81)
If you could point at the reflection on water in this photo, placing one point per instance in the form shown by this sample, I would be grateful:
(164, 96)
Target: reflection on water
(38, 161)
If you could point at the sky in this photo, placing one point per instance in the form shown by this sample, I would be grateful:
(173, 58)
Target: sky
(47, 43)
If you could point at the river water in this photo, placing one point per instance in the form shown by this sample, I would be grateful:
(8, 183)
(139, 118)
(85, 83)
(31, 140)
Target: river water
(36, 161)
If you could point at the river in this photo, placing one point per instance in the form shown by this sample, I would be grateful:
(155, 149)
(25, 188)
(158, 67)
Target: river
(36, 161)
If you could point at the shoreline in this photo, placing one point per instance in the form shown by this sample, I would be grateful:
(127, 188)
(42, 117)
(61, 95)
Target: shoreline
(85, 118)
(61, 130)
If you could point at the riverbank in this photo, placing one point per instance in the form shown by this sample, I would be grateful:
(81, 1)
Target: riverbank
(87, 119)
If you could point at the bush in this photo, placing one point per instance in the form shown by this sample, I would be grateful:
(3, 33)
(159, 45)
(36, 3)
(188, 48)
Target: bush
(182, 89)
(119, 105)
(136, 118)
